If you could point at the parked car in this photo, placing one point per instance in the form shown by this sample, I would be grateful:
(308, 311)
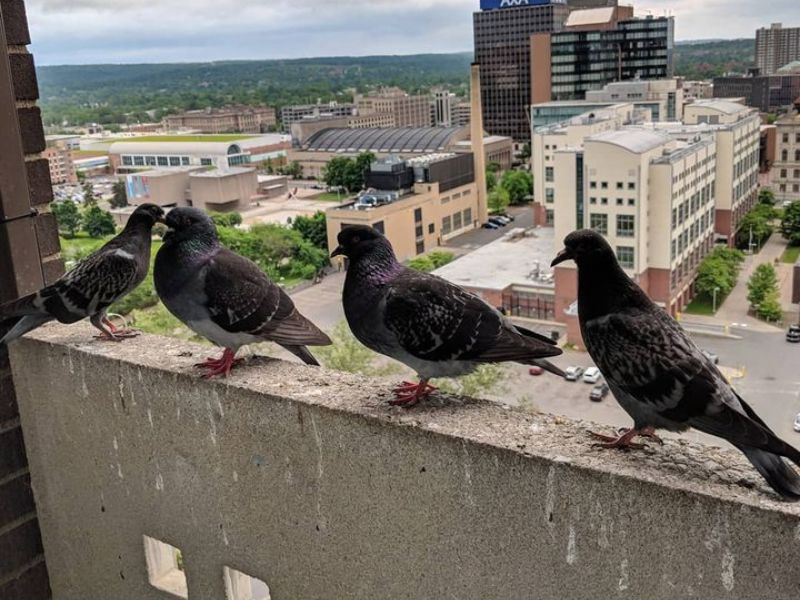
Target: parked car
(797, 423)
(599, 392)
(509, 217)
(573, 373)
(490, 225)
(497, 221)
(793, 335)
(535, 371)
(591, 375)
(502, 218)
(711, 356)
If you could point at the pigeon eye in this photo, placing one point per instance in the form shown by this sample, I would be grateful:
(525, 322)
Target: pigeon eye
(356, 239)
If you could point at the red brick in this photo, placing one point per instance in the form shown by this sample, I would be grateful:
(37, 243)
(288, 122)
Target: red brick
(47, 234)
(20, 546)
(23, 75)
(12, 453)
(39, 184)
(33, 584)
(30, 125)
(16, 500)
(16, 22)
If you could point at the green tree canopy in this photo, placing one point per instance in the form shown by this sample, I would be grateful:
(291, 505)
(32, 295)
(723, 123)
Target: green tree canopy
(313, 229)
(88, 193)
(759, 222)
(719, 271)
(518, 184)
(498, 200)
(98, 222)
(762, 284)
(766, 196)
(230, 219)
(790, 224)
(67, 216)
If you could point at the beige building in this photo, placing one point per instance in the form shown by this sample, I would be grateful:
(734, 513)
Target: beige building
(408, 111)
(651, 196)
(230, 119)
(698, 90)
(220, 190)
(62, 168)
(776, 46)
(737, 132)
(302, 130)
(786, 169)
(417, 203)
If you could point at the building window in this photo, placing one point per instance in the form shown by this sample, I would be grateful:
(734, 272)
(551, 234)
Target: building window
(446, 226)
(467, 216)
(599, 223)
(420, 246)
(783, 173)
(548, 174)
(206, 162)
(185, 161)
(127, 161)
(625, 256)
(138, 161)
(457, 221)
(593, 185)
(604, 201)
(418, 230)
(631, 185)
(631, 202)
(620, 185)
(163, 161)
(785, 138)
(549, 217)
(620, 202)
(431, 228)
(549, 195)
(417, 215)
(150, 161)
(604, 185)
(625, 225)
(174, 161)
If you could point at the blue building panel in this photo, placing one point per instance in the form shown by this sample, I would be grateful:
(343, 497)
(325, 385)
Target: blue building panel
(497, 4)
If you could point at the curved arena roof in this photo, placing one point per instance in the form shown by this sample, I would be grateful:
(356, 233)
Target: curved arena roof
(405, 139)
(633, 140)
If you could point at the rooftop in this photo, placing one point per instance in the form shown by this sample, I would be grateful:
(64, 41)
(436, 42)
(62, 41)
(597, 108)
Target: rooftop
(633, 139)
(722, 105)
(590, 16)
(218, 173)
(488, 267)
(233, 137)
(392, 139)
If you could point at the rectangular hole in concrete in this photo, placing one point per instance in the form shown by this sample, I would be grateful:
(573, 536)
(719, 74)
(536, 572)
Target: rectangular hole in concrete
(239, 586)
(165, 567)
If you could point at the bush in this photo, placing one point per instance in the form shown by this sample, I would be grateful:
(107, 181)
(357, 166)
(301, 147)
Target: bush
(313, 229)
(431, 262)
(98, 222)
(763, 283)
(67, 216)
(770, 309)
(790, 225)
(231, 219)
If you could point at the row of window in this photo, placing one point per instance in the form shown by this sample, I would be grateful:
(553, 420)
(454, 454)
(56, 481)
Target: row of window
(785, 138)
(604, 185)
(153, 161)
(456, 221)
(785, 155)
(604, 201)
(625, 224)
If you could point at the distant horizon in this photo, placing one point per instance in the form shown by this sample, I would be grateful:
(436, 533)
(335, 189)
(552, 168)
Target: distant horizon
(332, 56)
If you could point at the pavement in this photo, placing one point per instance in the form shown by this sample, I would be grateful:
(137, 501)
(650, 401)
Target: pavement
(477, 238)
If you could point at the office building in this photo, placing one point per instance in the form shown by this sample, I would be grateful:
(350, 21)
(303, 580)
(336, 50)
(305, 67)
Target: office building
(598, 46)
(230, 119)
(651, 196)
(443, 103)
(60, 160)
(767, 93)
(330, 110)
(147, 153)
(697, 90)
(776, 46)
(407, 110)
(786, 169)
(502, 32)
(461, 114)
(417, 203)
(218, 190)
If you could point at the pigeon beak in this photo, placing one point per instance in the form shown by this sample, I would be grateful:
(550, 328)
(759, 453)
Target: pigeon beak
(562, 256)
(338, 252)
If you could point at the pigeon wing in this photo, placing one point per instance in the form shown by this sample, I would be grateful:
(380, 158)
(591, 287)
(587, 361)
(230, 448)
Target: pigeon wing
(435, 320)
(242, 299)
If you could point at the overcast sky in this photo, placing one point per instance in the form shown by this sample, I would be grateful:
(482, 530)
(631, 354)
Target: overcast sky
(95, 31)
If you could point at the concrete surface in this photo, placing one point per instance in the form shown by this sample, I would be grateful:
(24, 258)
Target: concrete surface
(308, 481)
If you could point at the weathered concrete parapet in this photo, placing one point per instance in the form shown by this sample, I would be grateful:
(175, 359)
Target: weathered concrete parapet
(306, 479)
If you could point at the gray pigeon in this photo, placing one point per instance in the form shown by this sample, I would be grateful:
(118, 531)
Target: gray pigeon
(431, 325)
(225, 297)
(658, 375)
(92, 286)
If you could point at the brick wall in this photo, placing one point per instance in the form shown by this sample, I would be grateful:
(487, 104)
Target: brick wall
(29, 257)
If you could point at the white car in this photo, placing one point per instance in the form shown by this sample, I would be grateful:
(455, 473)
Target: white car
(591, 375)
(573, 373)
(797, 423)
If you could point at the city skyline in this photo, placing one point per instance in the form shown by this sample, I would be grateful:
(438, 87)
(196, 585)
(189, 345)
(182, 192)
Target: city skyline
(91, 31)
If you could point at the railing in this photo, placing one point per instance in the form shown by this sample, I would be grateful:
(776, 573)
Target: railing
(304, 482)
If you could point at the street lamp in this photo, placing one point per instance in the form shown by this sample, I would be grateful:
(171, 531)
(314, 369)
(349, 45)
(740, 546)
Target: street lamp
(714, 301)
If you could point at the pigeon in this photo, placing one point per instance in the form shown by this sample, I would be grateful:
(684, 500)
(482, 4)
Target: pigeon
(657, 373)
(225, 297)
(431, 325)
(95, 283)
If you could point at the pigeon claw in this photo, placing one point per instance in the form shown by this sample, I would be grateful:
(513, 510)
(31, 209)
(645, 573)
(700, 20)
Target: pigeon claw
(624, 439)
(221, 366)
(408, 394)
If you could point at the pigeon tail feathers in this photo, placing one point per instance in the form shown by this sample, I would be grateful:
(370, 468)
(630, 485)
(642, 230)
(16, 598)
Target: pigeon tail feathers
(19, 308)
(23, 326)
(302, 353)
(781, 477)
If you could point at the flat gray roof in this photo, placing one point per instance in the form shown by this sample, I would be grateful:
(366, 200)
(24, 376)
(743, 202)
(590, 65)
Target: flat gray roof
(489, 267)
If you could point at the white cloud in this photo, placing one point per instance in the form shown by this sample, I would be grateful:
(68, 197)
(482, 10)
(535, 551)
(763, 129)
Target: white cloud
(81, 31)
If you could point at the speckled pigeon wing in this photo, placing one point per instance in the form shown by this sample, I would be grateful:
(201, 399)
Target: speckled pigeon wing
(435, 320)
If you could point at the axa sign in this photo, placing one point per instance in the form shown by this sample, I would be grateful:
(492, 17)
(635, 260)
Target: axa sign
(495, 4)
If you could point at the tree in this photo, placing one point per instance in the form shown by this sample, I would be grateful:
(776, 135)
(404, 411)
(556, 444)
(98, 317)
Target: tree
(294, 170)
(231, 219)
(67, 216)
(758, 222)
(766, 196)
(269, 167)
(89, 198)
(347, 354)
(518, 184)
(98, 222)
(762, 284)
(431, 262)
(718, 271)
(770, 308)
(120, 197)
(493, 167)
(525, 155)
(313, 229)
(347, 173)
(790, 224)
(498, 200)
(491, 181)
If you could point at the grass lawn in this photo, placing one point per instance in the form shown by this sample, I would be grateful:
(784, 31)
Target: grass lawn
(233, 137)
(791, 254)
(331, 197)
(702, 305)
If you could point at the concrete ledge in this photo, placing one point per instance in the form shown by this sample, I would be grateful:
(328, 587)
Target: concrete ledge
(307, 480)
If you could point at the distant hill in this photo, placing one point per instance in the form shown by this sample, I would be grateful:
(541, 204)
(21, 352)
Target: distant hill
(120, 93)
